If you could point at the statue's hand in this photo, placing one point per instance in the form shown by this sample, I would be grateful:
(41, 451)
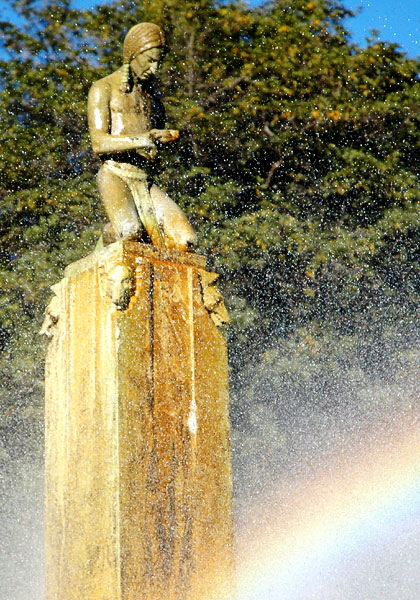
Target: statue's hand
(147, 147)
(149, 153)
(164, 135)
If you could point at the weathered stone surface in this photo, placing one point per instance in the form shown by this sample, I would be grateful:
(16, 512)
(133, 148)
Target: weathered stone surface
(138, 480)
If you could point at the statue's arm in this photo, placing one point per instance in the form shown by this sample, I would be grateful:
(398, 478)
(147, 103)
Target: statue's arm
(99, 119)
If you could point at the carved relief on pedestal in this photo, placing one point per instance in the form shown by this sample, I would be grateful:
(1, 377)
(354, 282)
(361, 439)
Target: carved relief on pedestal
(119, 285)
(212, 298)
(52, 313)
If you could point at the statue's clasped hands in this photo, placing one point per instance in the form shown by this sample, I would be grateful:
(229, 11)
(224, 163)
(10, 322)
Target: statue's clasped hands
(160, 136)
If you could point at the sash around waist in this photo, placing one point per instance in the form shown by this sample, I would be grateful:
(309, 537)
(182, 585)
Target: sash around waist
(129, 157)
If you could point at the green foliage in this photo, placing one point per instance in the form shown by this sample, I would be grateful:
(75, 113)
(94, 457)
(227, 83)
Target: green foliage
(298, 161)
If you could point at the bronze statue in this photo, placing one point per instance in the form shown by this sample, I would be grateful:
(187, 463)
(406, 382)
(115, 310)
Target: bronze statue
(127, 127)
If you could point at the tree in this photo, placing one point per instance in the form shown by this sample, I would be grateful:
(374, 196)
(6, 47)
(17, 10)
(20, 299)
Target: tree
(298, 164)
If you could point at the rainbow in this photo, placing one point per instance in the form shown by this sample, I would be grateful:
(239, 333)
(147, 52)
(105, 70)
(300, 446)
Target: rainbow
(298, 540)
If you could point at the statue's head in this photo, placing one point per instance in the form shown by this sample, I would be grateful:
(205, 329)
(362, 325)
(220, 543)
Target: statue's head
(143, 46)
(140, 38)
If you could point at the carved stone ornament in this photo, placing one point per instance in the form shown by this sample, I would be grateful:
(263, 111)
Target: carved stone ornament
(120, 285)
(213, 299)
(52, 313)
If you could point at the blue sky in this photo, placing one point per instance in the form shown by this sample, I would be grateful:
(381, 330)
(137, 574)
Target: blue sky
(397, 21)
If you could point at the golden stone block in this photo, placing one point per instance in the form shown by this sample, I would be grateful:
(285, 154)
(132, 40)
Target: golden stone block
(138, 475)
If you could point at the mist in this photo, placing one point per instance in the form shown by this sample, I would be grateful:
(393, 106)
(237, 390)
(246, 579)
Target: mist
(299, 419)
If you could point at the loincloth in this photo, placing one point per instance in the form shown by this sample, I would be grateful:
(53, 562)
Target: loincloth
(139, 183)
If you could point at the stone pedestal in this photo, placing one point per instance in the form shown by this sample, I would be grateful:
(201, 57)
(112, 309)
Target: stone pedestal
(138, 479)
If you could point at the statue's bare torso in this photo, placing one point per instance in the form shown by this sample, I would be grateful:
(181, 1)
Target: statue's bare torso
(133, 113)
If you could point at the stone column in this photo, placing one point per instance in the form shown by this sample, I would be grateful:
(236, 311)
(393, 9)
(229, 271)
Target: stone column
(138, 476)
